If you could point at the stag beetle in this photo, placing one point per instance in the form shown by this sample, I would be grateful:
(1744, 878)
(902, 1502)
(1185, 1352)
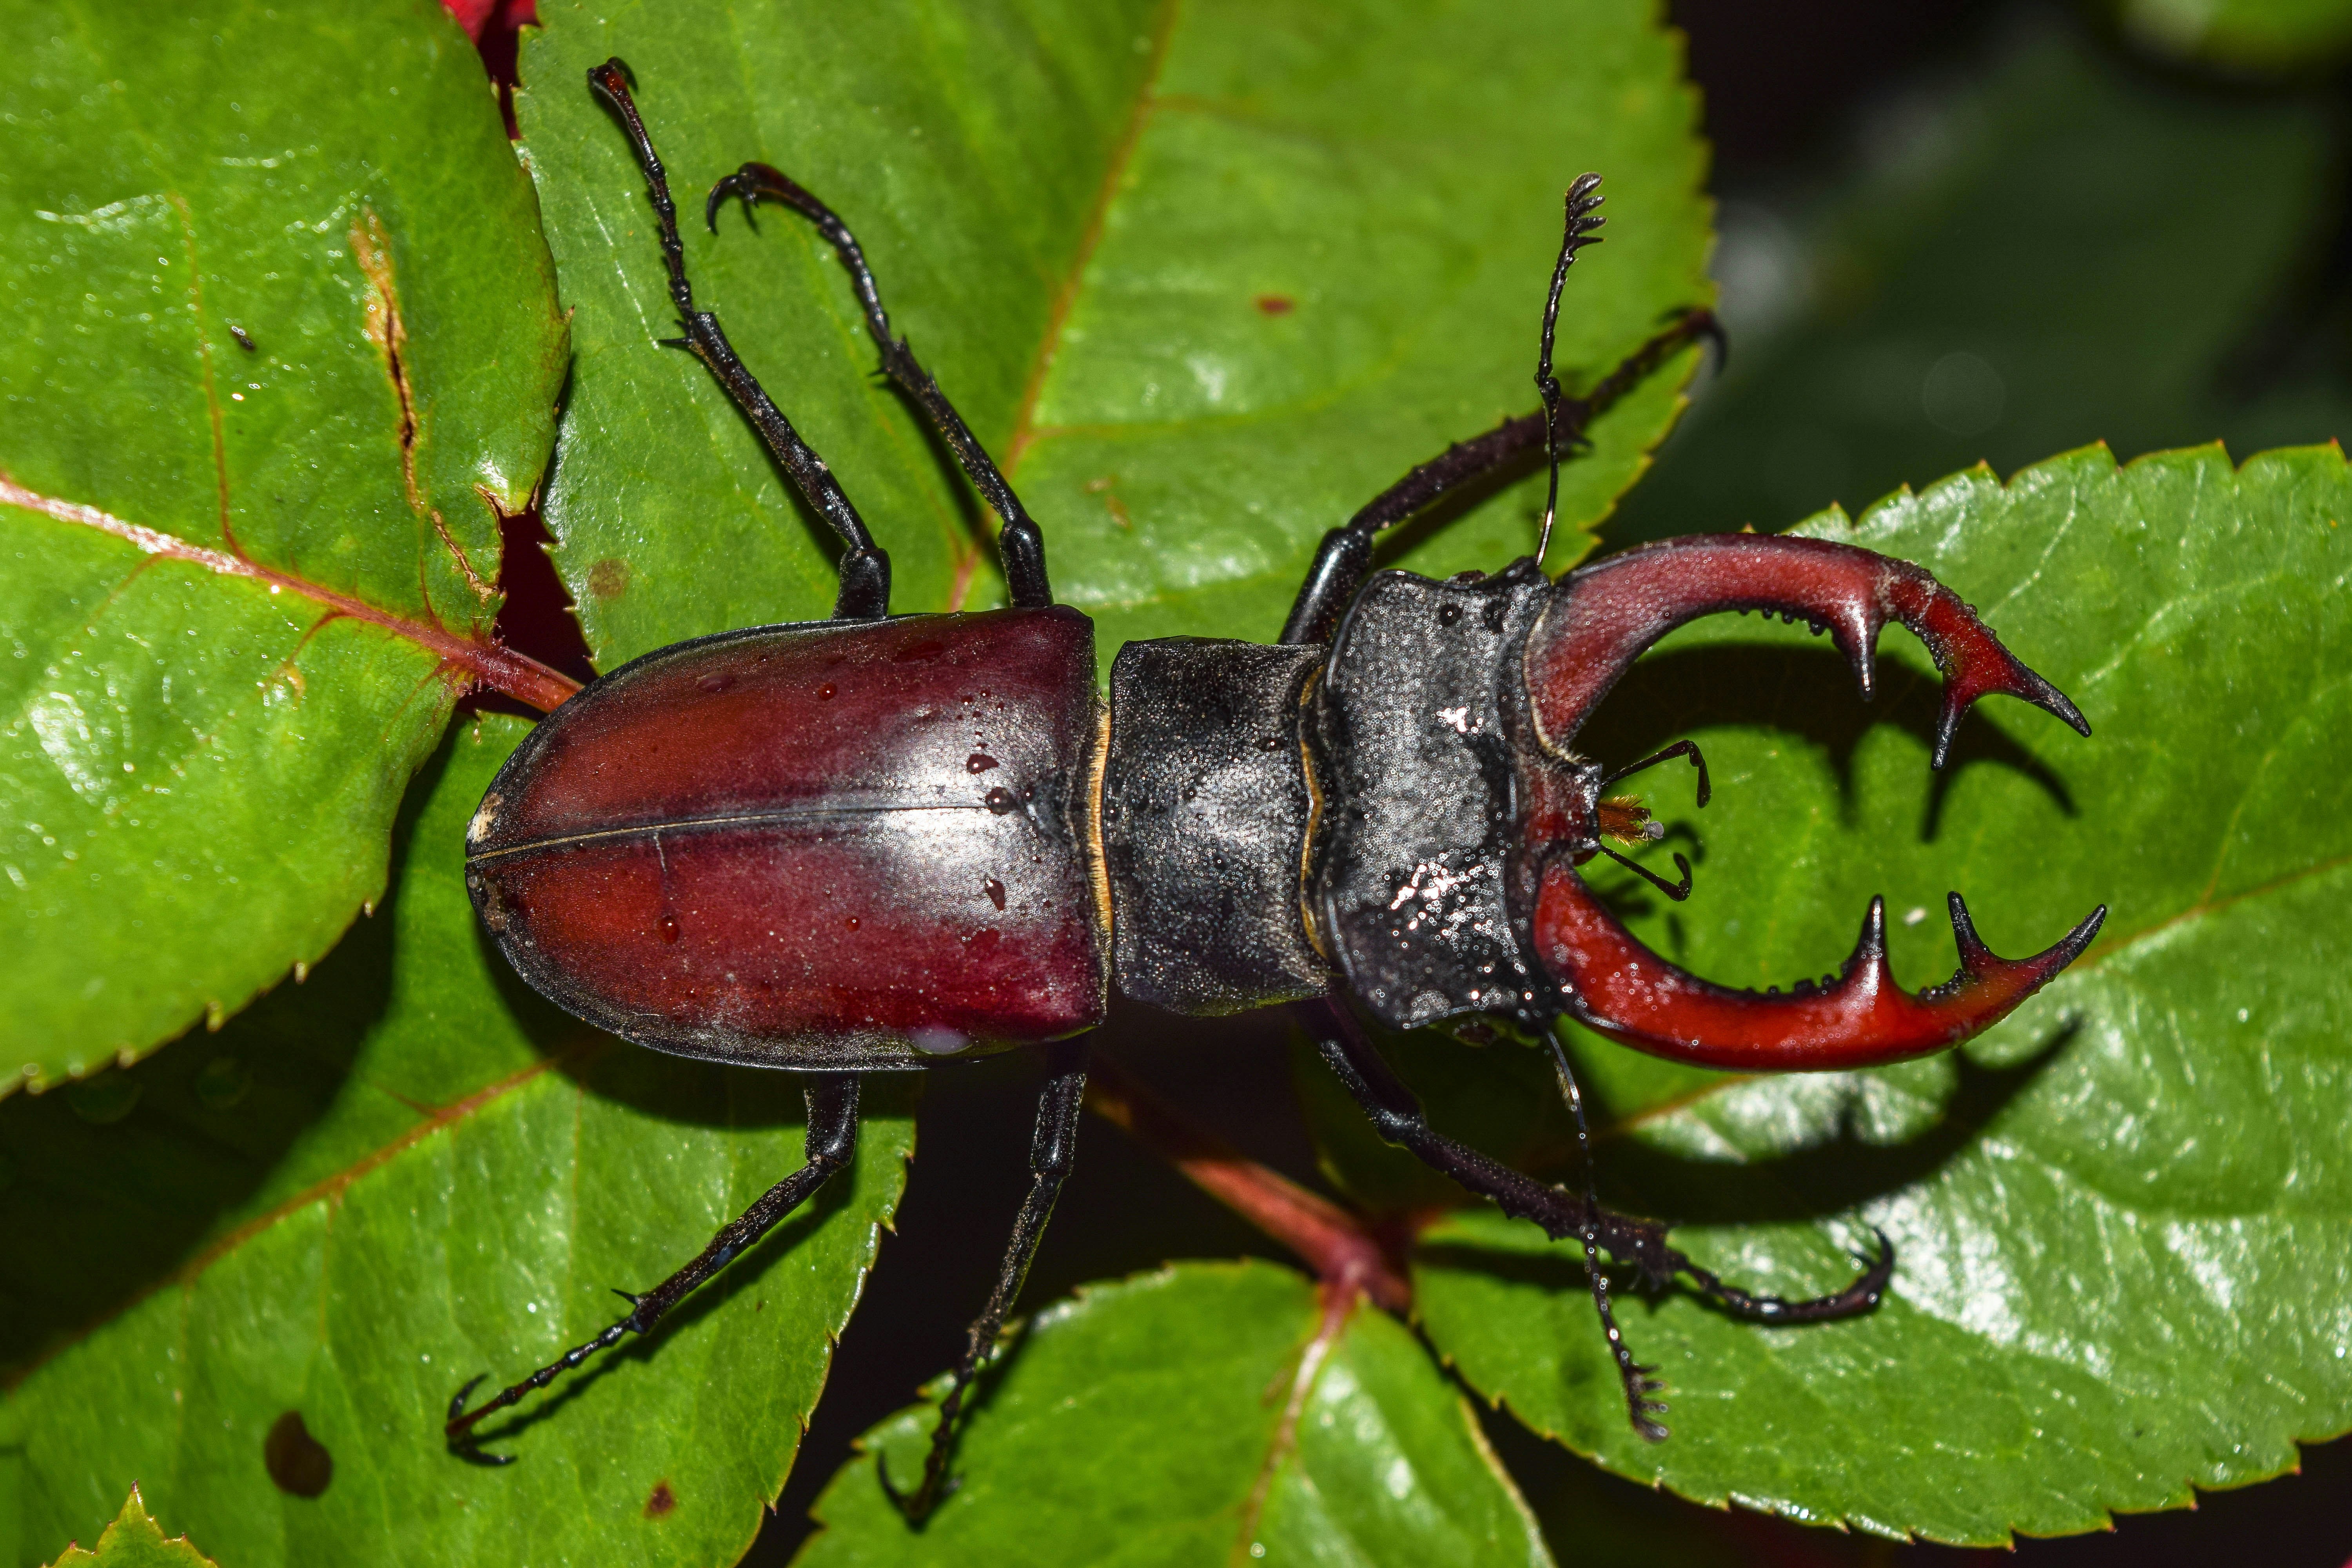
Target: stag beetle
(883, 842)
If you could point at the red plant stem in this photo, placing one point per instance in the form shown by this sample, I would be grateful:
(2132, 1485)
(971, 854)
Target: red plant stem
(483, 662)
(1345, 1253)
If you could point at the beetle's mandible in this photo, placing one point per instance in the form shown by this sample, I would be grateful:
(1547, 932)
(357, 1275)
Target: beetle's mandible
(879, 843)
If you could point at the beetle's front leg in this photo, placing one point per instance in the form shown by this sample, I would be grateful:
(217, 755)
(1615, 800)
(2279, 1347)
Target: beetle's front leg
(1396, 1114)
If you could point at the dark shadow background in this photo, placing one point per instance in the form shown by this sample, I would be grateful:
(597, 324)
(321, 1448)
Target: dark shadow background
(1951, 230)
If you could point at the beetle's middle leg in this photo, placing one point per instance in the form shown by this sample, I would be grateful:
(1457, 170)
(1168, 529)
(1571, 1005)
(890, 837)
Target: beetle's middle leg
(1396, 1114)
(1052, 1150)
(1021, 547)
(864, 590)
(832, 1141)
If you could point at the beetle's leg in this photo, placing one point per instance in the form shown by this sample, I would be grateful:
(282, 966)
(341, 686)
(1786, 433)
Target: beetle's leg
(832, 1140)
(1052, 1150)
(1019, 546)
(864, 590)
(1396, 1114)
(1345, 557)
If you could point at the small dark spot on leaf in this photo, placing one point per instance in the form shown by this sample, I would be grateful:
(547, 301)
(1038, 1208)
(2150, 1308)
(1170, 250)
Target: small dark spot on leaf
(995, 890)
(297, 1462)
(247, 345)
(1275, 304)
(662, 1502)
(609, 578)
(979, 762)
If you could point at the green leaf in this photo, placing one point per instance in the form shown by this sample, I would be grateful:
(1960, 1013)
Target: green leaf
(135, 1541)
(1206, 279)
(239, 588)
(1208, 1414)
(2240, 34)
(2018, 265)
(373, 1186)
(2121, 1215)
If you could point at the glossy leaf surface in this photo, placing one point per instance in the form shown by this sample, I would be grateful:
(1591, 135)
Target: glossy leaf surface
(370, 1188)
(135, 1541)
(1206, 1414)
(240, 585)
(1205, 278)
(2120, 1215)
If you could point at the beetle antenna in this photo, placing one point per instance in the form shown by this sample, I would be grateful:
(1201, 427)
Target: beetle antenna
(1639, 1384)
(1582, 199)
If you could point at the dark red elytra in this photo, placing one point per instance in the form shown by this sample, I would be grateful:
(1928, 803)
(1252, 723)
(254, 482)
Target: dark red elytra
(707, 852)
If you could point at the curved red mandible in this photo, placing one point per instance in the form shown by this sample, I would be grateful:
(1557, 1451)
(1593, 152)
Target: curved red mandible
(1860, 1019)
(1607, 613)
(1601, 620)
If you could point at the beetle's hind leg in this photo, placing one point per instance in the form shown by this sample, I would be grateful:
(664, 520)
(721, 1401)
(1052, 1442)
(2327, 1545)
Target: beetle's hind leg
(864, 590)
(832, 1141)
(1397, 1115)
(1019, 545)
(1052, 1150)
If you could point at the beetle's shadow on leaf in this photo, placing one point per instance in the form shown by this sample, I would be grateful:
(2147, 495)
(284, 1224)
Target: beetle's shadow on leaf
(212, 1117)
(1826, 1180)
(1808, 692)
(1837, 1175)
